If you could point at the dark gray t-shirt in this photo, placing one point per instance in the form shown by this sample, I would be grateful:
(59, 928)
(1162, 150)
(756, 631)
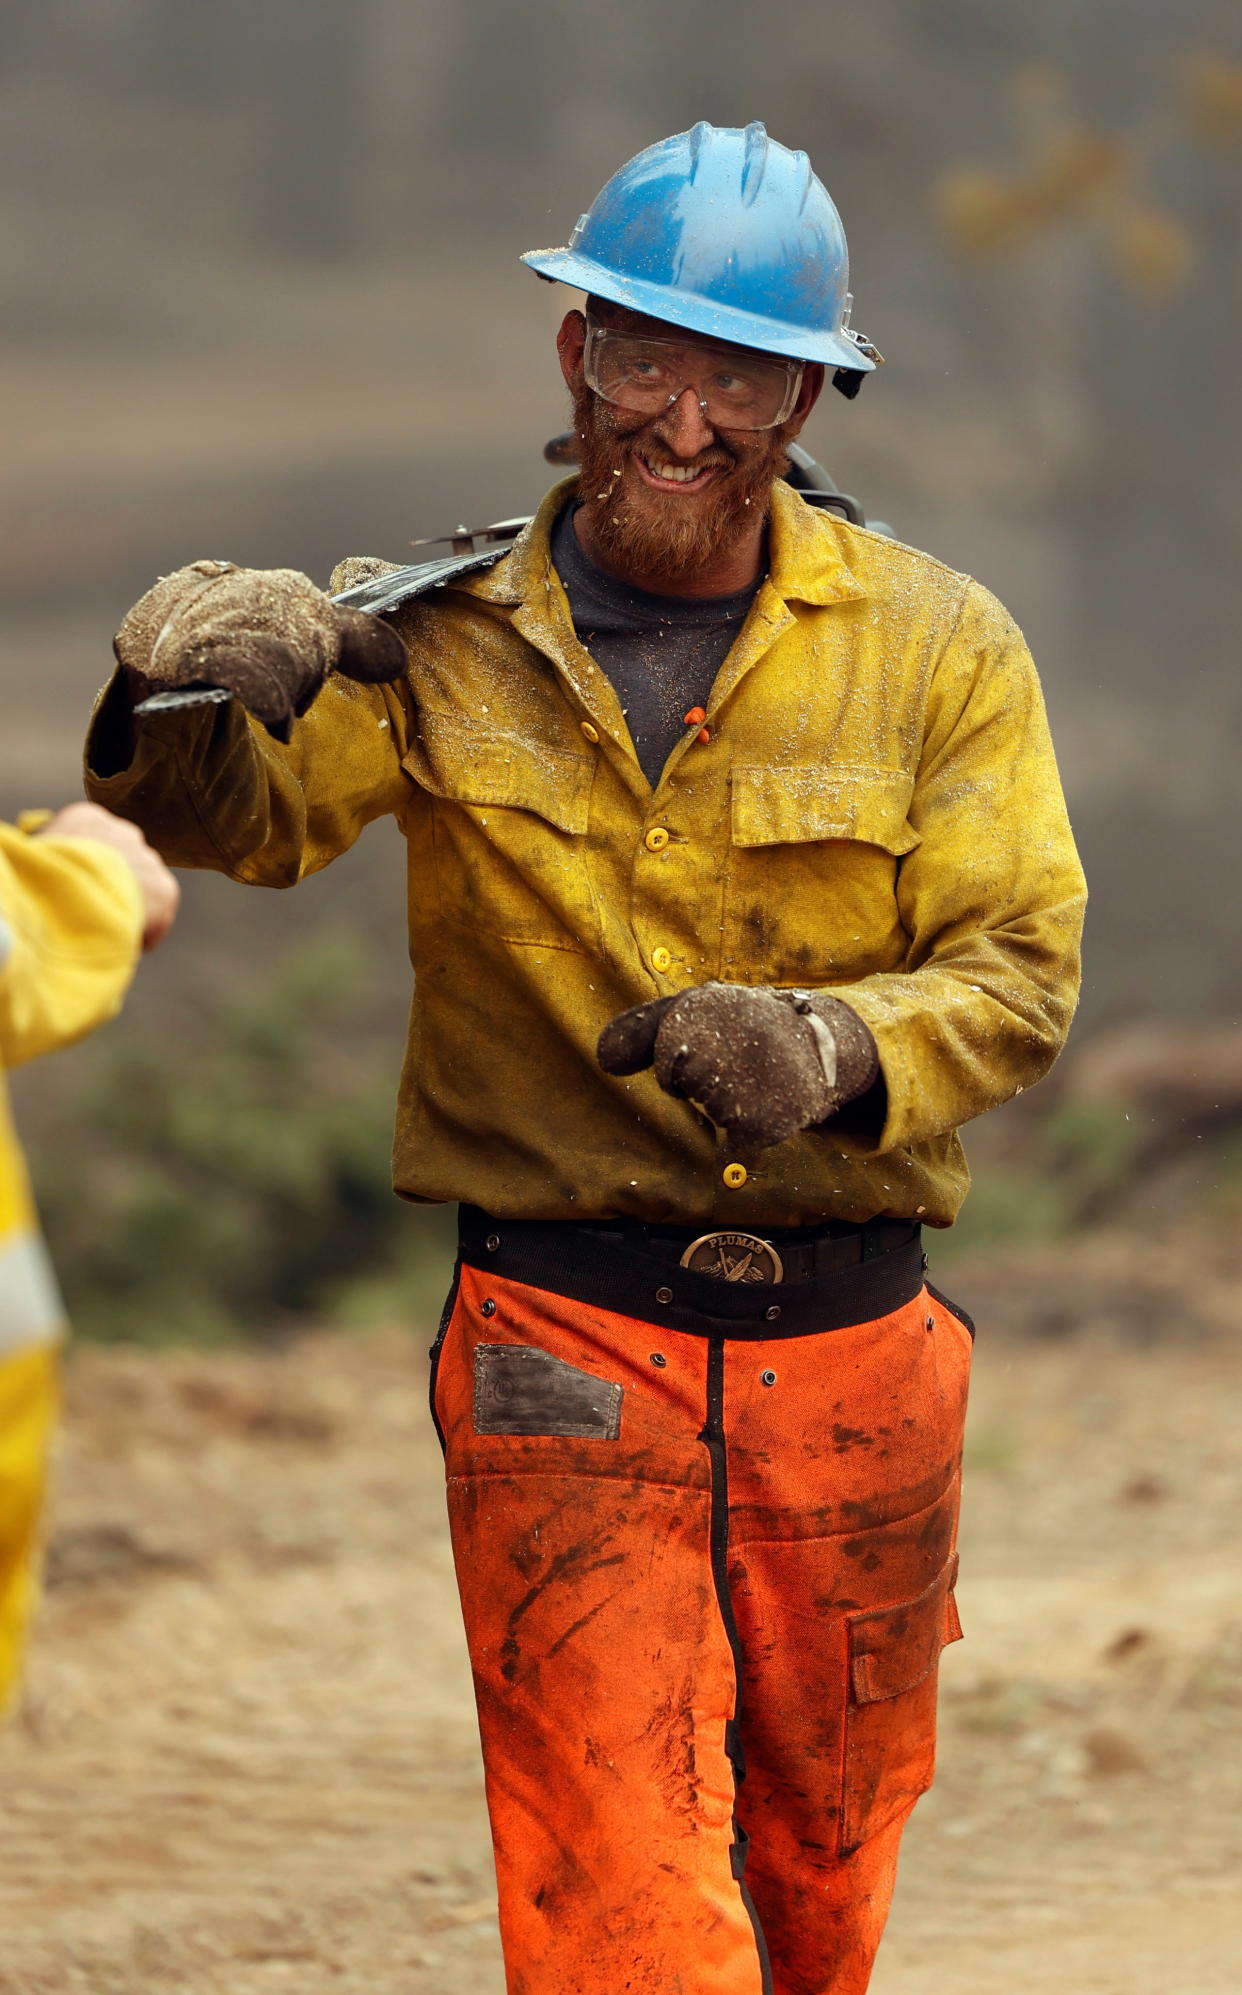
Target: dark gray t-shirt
(662, 653)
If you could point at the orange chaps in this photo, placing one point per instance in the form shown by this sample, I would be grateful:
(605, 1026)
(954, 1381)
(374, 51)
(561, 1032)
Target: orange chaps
(706, 1574)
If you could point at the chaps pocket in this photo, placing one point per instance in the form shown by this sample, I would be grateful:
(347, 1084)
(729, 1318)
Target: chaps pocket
(890, 1720)
(519, 1389)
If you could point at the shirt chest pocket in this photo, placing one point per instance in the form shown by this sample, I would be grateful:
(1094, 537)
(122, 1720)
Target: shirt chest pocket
(811, 885)
(509, 818)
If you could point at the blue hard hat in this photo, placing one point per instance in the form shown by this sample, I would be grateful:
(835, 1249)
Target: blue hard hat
(725, 232)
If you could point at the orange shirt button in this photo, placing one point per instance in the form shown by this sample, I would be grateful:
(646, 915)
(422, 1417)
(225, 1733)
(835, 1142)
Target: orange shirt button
(591, 733)
(661, 959)
(656, 839)
(735, 1176)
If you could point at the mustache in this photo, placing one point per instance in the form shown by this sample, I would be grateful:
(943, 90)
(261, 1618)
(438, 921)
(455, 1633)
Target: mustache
(648, 442)
(660, 451)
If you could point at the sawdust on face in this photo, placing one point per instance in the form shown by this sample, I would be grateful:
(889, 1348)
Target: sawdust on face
(667, 537)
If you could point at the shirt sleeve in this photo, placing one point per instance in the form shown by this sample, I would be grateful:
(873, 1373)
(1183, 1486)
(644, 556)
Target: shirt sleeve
(211, 789)
(71, 919)
(992, 899)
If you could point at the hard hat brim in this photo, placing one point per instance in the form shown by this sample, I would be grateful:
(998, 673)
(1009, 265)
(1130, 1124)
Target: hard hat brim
(698, 314)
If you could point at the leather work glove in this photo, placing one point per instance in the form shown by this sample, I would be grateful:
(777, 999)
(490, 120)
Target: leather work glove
(267, 635)
(762, 1064)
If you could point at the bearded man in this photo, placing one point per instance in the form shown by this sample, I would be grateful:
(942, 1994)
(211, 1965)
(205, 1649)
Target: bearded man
(739, 878)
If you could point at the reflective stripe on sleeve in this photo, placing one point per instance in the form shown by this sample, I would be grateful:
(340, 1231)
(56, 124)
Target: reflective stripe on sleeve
(31, 1310)
(6, 941)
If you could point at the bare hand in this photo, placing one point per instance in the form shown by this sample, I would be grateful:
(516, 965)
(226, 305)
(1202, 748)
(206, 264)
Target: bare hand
(158, 887)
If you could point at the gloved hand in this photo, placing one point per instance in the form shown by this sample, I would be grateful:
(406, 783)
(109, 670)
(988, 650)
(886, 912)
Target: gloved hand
(761, 1063)
(269, 636)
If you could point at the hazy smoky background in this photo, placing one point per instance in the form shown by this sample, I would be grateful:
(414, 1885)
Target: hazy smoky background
(263, 300)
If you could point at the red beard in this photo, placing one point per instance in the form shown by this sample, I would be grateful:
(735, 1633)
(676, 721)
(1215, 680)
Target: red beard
(638, 531)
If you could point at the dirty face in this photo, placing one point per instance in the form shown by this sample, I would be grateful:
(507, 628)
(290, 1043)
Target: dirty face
(662, 496)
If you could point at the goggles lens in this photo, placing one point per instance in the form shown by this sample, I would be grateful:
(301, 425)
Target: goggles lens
(734, 390)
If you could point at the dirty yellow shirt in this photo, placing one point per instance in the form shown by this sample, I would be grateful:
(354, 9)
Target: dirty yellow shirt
(876, 812)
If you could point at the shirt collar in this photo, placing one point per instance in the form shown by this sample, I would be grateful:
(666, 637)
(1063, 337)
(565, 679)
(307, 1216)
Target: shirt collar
(808, 552)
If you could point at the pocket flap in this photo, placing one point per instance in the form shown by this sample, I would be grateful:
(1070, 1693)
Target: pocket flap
(455, 757)
(794, 803)
(894, 1648)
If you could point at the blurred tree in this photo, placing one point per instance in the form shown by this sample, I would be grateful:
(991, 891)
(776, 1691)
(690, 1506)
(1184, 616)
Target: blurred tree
(1213, 99)
(1074, 172)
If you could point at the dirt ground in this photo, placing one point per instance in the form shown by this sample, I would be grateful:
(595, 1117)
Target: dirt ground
(247, 1757)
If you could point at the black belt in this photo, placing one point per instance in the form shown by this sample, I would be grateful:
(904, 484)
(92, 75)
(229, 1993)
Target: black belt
(762, 1254)
(719, 1282)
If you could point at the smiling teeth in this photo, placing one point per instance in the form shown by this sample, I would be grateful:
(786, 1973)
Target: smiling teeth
(677, 474)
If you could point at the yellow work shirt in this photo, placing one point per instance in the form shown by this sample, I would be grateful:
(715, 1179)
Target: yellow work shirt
(875, 811)
(70, 930)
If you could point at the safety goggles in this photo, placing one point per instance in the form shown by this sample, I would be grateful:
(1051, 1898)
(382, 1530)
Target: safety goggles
(734, 390)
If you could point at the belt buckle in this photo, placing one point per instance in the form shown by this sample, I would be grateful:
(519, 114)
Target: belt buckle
(734, 1257)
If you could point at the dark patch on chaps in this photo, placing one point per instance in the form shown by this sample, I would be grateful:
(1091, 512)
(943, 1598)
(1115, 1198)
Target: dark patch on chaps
(519, 1389)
